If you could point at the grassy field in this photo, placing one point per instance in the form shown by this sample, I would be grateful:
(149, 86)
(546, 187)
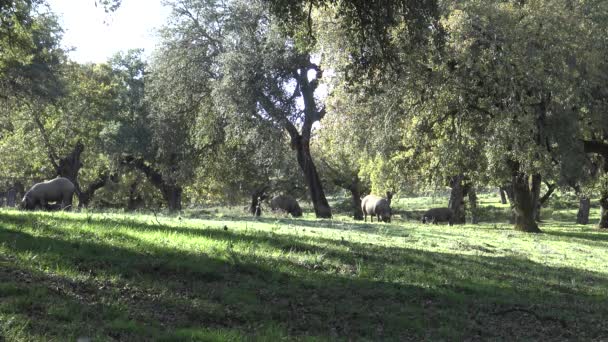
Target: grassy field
(221, 275)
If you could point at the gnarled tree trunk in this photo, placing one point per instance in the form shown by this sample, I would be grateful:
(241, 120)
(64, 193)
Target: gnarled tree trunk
(86, 196)
(522, 203)
(315, 187)
(172, 193)
(584, 205)
(456, 202)
(257, 196)
(301, 142)
(135, 200)
(601, 148)
(355, 192)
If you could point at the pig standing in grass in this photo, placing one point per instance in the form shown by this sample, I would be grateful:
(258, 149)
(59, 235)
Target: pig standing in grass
(436, 215)
(287, 204)
(376, 206)
(60, 190)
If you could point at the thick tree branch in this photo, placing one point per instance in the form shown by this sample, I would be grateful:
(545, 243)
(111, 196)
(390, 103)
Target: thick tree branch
(153, 175)
(550, 189)
(594, 146)
(270, 108)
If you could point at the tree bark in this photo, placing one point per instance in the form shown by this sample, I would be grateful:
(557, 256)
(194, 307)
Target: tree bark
(257, 196)
(603, 223)
(601, 148)
(522, 203)
(86, 196)
(135, 200)
(543, 200)
(315, 187)
(70, 165)
(508, 188)
(355, 191)
(456, 202)
(536, 182)
(172, 193)
(473, 204)
(301, 142)
(584, 205)
(503, 197)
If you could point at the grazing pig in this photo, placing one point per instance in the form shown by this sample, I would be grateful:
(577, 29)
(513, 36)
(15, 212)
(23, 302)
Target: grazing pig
(376, 206)
(436, 215)
(286, 203)
(60, 190)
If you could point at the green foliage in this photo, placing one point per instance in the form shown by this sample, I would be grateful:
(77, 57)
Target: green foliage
(503, 82)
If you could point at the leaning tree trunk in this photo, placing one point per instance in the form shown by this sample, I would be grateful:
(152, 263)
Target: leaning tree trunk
(523, 204)
(317, 195)
(508, 189)
(456, 202)
(543, 200)
(473, 205)
(300, 142)
(172, 193)
(503, 197)
(584, 205)
(86, 196)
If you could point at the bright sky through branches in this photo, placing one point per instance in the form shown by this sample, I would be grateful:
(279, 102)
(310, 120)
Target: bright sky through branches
(97, 35)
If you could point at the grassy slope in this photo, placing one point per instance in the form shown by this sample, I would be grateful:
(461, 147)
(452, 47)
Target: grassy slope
(125, 277)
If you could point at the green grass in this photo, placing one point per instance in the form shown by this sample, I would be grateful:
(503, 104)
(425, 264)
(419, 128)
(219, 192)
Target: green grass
(224, 276)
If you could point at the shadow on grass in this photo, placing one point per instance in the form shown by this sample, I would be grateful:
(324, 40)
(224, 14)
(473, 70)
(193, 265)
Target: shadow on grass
(590, 234)
(358, 291)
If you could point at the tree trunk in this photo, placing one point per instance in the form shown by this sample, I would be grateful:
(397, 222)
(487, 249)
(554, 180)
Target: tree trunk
(300, 142)
(86, 196)
(604, 211)
(173, 196)
(503, 197)
(523, 203)
(456, 202)
(543, 200)
(69, 166)
(508, 189)
(473, 204)
(356, 196)
(257, 196)
(535, 189)
(600, 148)
(135, 200)
(11, 198)
(584, 204)
(317, 195)
(172, 193)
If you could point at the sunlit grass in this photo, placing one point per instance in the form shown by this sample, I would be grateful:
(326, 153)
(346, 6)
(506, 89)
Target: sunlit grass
(223, 275)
